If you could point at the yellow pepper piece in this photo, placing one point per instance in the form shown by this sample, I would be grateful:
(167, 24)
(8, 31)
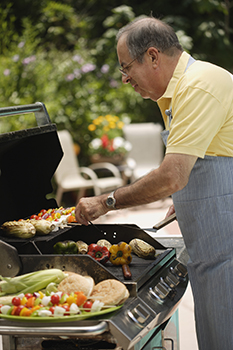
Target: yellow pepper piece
(25, 312)
(71, 299)
(120, 254)
(23, 301)
(41, 294)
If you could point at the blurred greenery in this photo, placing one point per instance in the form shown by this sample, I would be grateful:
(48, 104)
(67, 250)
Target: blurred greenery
(63, 53)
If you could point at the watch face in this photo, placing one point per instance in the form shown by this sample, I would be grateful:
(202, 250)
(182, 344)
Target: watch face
(110, 201)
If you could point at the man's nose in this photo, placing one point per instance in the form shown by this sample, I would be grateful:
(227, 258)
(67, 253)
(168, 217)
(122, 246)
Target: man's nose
(125, 79)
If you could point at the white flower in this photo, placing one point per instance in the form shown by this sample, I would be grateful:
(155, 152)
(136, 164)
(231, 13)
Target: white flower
(128, 146)
(96, 143)
(118, 142)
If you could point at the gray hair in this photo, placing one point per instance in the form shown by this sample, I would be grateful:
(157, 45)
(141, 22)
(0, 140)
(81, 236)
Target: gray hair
(149, 32)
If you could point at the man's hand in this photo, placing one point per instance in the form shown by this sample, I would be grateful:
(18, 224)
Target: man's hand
(170, 211)
(90, 208)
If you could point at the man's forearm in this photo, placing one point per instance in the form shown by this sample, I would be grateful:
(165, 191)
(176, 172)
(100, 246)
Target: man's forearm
(170, 177)
(147, 189)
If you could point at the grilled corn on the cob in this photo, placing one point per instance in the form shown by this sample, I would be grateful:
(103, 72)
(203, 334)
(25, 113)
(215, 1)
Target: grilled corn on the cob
(20, 229)
(43, 227)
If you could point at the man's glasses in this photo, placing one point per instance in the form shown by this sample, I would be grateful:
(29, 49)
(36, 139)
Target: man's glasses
(122, 70)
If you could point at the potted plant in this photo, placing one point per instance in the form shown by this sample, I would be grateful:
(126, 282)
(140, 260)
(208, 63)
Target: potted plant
(108, 143)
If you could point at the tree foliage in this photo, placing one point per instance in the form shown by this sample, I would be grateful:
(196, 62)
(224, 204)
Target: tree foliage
(63, 53)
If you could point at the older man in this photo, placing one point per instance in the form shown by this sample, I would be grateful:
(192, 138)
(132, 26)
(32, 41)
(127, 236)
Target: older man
(196, 102)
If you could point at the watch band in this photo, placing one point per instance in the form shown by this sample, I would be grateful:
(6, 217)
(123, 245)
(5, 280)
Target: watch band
(111, 201)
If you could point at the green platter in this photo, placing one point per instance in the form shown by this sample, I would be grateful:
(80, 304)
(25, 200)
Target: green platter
(80, 317)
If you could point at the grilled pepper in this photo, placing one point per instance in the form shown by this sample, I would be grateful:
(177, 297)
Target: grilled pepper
(65, 247)
(120, 254)
(101, 254)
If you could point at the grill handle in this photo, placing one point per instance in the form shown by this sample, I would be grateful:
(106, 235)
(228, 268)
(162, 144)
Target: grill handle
(88, 331)
(165, 222)
(38, 108)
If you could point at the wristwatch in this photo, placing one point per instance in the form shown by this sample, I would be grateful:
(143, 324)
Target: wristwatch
(111, 201)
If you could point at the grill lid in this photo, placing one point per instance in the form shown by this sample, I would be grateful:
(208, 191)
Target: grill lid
(28, 160)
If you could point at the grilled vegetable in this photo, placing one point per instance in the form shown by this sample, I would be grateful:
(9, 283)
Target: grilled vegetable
(30, 282)
(20, 229)
(101, 254)
(43, 227)
(82, 247)
(120, 254)
(65, 247)
(142, 249)
(104, 243)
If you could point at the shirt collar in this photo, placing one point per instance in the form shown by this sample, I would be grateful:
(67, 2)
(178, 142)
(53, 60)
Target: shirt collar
(179, 70)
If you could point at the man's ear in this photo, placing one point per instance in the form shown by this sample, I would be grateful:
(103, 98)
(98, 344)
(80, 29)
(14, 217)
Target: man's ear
(153, 54)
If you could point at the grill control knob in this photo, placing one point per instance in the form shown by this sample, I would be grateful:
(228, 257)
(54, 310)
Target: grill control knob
(172, 280)
(160, 291)
(179, 271)
(139, 315)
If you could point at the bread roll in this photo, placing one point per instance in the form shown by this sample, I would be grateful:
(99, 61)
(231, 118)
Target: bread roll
(76, 283)
(110, 292)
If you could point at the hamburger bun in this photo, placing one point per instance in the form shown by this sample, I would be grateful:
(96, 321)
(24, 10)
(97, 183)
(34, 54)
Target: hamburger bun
(76, 283)
(110, 292)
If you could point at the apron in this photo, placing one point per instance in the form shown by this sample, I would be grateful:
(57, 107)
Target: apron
(204, 210)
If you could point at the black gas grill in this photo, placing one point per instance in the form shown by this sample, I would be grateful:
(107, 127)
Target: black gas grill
(156, 287)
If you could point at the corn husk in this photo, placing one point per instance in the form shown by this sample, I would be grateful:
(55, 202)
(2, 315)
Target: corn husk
(142, 248)
(82, 247)
(30, 282)
(20, 229)
(43, 227)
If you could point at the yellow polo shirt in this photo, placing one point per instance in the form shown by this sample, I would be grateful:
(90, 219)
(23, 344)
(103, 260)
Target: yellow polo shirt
(202, 108)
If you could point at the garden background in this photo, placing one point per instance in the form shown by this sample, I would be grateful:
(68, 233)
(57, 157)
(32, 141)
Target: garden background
(63, 53)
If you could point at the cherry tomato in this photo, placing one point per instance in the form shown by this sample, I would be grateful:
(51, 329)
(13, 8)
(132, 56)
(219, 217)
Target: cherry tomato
(67, 308)
(28, 295)
(52, 308)
(87, 305)
(55, 299)
(42, 212)
(16, 301)
(18, 310)
(0, 308)
(34, 217)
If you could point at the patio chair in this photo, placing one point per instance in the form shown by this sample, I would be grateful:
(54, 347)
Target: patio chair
(69, 176)
(147, 148)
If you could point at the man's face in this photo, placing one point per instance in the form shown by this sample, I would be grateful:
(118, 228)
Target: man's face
(144, 77)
